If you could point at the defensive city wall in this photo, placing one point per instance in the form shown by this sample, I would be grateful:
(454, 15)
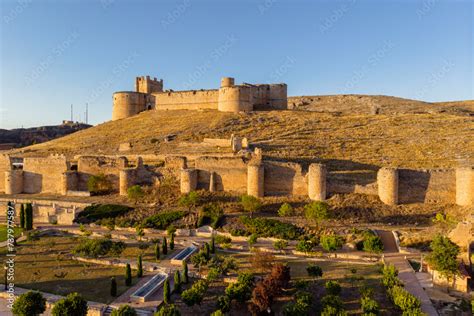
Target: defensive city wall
(240, 174)
(149, 94)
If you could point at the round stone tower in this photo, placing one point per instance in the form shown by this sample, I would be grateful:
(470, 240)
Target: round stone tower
(127, 103)
(387, 182)
(227, 82)
(234, 98)
(255, 180)
(317, 182)
(465, 186)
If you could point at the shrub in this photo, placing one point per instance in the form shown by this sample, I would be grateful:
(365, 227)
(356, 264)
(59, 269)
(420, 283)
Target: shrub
(332, 305)
(29, 303)
(304, 245)
(252, 239)
(390, 276)
(301, 305)
(443, 257)
(162, 220)
(72, 304)
(314, 270)
(217, 313)
(135, 193)
(223, 264)
(124, 310)
(113, 287)
(240, 290)
(98, 247)
(369, 306)
(93, 213)
(99, 184)
(265, 227)
(373, 244)
(280, 245)
(250, 204)
(331, 242)
(168, 310)
(220, 239)
(196, 293)
(316, 211)
(333, 287)
(210, 214)
(190, 200)
(224, 303)
(285, 210)
(403, 299)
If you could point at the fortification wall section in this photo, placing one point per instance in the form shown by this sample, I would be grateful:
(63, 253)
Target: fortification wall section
(187, 100)
(5, 165)
(284, 178)
(129, 103)
(426, 186)
(352, 181)
(230, 174)
(95, 165)
(43, 175)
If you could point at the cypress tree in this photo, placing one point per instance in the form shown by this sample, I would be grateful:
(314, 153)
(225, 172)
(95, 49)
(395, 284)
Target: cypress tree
(22, 216)
(139, 267)
(128, 275)
(165, 246)
(157, 251)
(177, 282)
(172, 242)
(213, 244)
(207, 250)
(166, 292)
(185, 272)
(113, 287)
(29, 217)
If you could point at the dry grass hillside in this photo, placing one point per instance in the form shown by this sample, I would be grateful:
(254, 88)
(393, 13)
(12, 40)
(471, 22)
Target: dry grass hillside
(405, 133)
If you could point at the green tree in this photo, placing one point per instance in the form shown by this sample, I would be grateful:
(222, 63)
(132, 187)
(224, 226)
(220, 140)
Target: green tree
(128, 275)
(207, 251)
(113, 287)
(172, 241)
(331, 242)
(285, 210)
(168, 310)
(29, 217)
(252, 240)
(443, 257)
(373, 244)
(135, 193)
(250, 204)
(72, 305)
(164, 246)
(316, 211)
(139, 266)
(140, 232)
(29, 304)
(167, 292)
(22, 216)
(185, 272)
(177, 282)
(314, 271)
(157, 251)
(213, 244)
(196, 293)
(124, 310)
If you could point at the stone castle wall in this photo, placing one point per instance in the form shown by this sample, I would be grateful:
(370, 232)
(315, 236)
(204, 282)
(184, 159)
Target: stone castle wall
(187, 100)
(95, 165)
(5, 165)
(43, 175)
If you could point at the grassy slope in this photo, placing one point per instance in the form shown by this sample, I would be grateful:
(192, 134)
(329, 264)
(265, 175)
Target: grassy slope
(424, 140)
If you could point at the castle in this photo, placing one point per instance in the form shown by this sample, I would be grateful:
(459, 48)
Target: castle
(149, 94)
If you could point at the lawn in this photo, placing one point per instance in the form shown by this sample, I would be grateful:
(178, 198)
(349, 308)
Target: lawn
(45, 265)
(3, 232)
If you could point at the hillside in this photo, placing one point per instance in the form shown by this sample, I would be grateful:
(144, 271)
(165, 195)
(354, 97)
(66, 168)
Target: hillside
(405, 133)
(20, 137)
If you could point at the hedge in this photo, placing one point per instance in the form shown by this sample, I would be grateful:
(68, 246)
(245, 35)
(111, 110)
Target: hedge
(265, 227)
(96, 212)
(162, 220)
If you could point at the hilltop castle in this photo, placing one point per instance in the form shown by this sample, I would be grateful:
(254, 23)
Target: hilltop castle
(149, 94)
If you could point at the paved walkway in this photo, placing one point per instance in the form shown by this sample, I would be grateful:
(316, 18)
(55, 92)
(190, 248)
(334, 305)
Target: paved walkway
(405, 271)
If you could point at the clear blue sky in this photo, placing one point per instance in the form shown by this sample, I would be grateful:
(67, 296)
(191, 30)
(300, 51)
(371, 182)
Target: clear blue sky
(57, 53)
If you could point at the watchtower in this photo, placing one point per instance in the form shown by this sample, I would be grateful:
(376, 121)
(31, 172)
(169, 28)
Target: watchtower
(148, 85)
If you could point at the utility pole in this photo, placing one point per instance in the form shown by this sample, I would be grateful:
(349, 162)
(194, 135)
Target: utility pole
(71, 113)
(87, 112)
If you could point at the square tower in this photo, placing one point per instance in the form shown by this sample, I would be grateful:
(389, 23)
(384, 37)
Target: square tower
(148, 85)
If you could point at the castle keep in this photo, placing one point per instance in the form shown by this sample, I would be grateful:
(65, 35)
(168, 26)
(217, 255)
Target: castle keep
(149, 94)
